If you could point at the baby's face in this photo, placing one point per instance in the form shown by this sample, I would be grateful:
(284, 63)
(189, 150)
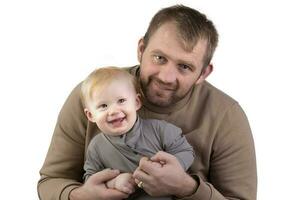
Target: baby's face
(114, 108)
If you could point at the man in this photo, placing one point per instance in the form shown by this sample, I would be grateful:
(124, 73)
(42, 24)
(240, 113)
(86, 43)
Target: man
(174, 57)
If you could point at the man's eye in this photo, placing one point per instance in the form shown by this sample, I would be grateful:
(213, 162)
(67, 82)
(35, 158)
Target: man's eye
(159, 59)
(185, 67)
(121, 100)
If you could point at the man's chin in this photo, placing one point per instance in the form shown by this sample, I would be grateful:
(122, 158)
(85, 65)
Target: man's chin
(159, 101)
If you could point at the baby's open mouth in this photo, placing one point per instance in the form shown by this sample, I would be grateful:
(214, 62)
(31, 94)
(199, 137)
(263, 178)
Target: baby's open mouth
(117, 121)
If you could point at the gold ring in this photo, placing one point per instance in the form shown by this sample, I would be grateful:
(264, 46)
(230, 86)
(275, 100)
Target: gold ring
(140, 184)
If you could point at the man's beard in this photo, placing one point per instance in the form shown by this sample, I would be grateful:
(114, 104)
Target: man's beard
(159, 93)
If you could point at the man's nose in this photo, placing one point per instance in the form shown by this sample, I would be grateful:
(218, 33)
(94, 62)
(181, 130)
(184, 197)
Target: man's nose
(167, 73)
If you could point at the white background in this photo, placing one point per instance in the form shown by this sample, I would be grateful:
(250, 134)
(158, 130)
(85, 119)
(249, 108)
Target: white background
(47, 47)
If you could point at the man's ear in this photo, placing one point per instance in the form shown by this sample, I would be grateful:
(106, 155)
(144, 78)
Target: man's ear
(89, 115)
(205, 73)
(140, 49)
(138, 101)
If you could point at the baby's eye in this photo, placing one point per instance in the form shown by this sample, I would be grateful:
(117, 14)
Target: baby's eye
(121, 100)
(103, 106)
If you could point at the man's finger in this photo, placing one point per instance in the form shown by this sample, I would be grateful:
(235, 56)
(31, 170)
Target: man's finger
(104, 175)
(140, 175)
(162, 157)
(148, 166)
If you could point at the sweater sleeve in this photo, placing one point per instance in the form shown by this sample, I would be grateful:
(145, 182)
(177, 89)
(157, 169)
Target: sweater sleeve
(93, 162)
(176, 144)
(62, 170)
(232, 173)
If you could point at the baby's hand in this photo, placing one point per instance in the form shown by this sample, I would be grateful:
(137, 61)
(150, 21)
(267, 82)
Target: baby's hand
(123, 182)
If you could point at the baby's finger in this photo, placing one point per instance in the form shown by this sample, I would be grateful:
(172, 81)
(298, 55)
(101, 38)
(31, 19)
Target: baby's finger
(127, 189)
(131, 181)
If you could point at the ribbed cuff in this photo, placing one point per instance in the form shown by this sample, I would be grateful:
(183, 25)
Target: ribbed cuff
(203, 191)
(67, 190)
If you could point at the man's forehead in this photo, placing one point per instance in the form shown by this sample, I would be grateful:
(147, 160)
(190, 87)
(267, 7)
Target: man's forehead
(166, 40)
(170, 29)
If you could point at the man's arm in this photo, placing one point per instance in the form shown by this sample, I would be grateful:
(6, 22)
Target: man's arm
(63, 167)
(232, 172)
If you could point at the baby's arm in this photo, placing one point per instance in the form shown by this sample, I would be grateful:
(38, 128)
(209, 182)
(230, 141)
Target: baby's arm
(176, 144)
(123, 182)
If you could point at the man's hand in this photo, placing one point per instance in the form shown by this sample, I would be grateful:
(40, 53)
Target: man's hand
(123, 182)
(94, 188)
(163, 175)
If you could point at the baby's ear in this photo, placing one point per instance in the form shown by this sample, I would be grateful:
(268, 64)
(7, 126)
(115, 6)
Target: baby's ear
(89, 115)
(138, 101)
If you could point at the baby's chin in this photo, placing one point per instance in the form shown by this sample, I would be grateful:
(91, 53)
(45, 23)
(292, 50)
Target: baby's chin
(118, 132)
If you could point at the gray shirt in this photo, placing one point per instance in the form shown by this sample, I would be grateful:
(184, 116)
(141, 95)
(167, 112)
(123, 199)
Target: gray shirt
(146, 138)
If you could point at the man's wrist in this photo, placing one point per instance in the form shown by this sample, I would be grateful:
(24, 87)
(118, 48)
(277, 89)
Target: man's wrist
(76, 194)
(190, 186)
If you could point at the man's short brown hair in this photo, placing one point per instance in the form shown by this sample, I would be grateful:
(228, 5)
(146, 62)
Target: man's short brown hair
(191, 25)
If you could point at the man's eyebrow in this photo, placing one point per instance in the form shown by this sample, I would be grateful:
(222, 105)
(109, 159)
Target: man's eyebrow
(157, 51)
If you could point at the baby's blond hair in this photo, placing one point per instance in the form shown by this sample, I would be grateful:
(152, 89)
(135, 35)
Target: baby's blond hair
(101, 77)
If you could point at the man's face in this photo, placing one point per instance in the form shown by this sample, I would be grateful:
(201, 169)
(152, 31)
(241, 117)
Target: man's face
(168, 71)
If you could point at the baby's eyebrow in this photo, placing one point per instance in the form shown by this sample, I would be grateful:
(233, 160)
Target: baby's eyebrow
(100, 103)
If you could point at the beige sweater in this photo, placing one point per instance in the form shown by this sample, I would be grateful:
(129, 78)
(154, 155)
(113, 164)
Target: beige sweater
(213, 123)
